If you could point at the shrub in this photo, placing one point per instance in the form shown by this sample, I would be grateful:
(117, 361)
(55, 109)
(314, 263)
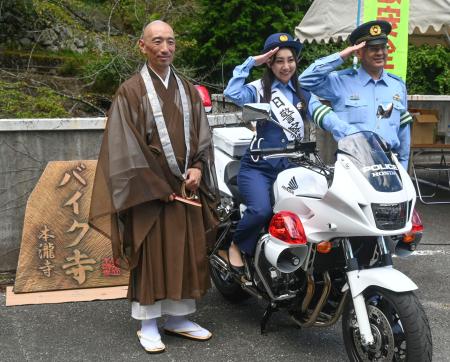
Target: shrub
(428, 70)
(20, 101)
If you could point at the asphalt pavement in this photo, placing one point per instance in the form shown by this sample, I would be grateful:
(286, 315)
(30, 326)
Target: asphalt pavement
(105, 331)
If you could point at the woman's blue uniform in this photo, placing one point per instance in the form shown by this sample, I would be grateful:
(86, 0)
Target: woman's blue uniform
(255, 179)
(255, 182)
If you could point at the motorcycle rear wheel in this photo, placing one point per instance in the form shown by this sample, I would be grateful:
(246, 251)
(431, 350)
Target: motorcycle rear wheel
(227, 286)
(399, 326)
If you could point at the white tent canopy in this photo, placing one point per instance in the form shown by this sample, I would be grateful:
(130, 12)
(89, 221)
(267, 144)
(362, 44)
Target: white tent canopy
(429, 21)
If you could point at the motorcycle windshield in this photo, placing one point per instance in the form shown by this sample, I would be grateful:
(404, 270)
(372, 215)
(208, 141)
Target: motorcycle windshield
(372, 158)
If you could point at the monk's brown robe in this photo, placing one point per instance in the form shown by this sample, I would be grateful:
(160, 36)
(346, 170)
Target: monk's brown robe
(163, 243)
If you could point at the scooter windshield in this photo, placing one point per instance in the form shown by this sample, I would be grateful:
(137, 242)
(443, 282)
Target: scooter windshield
(372, 158)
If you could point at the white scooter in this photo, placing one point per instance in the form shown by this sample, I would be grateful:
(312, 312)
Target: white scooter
(327, 251)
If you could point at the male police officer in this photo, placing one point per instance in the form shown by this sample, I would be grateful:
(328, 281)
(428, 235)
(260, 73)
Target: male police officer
(356, 95)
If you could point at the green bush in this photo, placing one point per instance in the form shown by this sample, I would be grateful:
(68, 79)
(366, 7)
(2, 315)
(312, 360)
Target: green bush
(73, 63)
(428, 70)
(106, 72)
(312, 52)
(20, 101)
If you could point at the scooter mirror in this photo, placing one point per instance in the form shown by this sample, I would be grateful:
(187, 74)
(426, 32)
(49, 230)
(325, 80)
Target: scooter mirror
(256, 112)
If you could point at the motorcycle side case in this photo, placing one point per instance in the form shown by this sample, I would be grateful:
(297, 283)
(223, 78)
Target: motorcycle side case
(221, 160)
(233, 141)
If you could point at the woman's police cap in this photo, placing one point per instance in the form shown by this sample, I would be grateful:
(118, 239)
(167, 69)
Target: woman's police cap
(282, 40)
(372, 32)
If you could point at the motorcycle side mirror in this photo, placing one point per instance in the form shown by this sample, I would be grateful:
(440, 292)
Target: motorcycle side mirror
(256, 112)
(384, 111)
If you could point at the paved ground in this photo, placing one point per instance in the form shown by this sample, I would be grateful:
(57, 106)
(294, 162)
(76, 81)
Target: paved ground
(104, 331)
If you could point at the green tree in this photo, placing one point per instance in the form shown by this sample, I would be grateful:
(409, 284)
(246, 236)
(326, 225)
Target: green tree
(226, 33)
(428, 70)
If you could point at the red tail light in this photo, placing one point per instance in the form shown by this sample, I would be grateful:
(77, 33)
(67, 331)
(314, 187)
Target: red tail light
(206, 99)
(287, 227)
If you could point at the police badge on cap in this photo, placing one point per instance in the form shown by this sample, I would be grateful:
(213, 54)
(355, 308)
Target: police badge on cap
(282, 40)
(372, 32)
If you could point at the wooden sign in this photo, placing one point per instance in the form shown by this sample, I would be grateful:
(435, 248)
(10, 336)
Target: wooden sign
(59, 250)
(63, 296)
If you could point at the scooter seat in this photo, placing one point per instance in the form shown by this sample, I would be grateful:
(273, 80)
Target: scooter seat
(230, 178)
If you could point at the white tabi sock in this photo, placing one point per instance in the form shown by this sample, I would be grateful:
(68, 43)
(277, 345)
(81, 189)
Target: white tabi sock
(149, 328)
(180, 323)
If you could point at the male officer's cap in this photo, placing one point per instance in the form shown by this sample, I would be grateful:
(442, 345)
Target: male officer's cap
(282, 40)
(372, 32)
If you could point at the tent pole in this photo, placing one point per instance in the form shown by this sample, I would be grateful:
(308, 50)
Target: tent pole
(355, 59)
(447, 35)
(359, 13)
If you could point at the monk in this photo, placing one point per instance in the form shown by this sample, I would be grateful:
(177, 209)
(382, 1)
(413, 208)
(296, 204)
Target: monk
(155, 191)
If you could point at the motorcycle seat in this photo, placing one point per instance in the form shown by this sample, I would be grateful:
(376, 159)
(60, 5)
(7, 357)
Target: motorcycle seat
(230, 178)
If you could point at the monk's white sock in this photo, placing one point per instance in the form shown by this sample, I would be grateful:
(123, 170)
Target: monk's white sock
(180, 323)
(149, 328)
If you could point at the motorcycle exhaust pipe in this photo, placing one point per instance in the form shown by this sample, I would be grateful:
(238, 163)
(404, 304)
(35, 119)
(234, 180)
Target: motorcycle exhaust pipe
(286, 258)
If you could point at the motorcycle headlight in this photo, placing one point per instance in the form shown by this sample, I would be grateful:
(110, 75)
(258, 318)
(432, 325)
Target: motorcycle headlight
(390, 216)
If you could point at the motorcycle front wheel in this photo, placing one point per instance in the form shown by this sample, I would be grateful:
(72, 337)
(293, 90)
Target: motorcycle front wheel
(399, 326)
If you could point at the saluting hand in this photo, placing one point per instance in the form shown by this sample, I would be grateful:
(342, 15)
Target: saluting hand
(349, 50)
(193, 177)
(266, 57)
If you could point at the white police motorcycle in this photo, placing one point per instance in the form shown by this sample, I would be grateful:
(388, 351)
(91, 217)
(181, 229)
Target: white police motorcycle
(327, 251)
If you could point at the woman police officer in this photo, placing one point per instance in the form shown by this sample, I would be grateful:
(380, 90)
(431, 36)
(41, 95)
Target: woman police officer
(290, 105)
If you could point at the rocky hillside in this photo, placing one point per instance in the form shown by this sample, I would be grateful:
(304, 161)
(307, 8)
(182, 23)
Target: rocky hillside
(66, 58)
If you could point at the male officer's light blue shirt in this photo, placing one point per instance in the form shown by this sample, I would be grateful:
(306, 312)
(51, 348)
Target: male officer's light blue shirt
(355, 97)
(241, 93)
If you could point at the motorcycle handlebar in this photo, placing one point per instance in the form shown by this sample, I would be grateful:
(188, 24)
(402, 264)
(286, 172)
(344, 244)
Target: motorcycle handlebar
(305, 147)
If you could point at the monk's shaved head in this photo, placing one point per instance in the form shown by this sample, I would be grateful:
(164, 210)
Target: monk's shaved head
(155, 25)
(158, 45)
